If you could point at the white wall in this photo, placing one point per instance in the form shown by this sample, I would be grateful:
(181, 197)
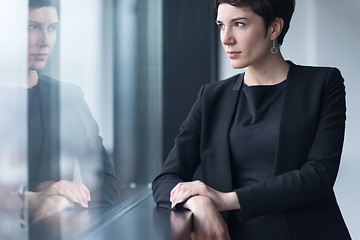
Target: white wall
(327, 33)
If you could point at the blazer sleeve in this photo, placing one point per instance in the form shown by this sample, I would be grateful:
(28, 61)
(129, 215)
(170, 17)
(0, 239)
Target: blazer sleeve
(96, 166)
(315, 178)
(183, 159)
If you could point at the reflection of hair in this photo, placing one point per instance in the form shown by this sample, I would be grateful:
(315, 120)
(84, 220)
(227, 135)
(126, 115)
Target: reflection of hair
(44, 3)
(268, 10)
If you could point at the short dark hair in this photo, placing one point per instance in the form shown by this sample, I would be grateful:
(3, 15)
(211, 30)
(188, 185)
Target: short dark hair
(44, 3)
(268, 10)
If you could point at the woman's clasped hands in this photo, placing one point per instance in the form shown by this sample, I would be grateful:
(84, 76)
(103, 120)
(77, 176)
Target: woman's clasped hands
(53, 197)
(205, 203)
(75, 192)
(185, 190)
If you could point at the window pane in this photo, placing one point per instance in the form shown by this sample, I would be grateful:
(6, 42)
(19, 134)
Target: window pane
(81, 109)
(13, 112)
(138, 86)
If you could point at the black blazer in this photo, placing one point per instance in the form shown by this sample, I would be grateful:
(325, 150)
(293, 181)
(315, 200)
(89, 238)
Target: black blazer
(307, 158)
(69, 133)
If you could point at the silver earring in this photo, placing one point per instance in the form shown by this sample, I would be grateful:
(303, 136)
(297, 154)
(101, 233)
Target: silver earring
(274, 49)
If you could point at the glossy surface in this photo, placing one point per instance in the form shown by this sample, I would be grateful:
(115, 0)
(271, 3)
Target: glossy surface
(139, 219)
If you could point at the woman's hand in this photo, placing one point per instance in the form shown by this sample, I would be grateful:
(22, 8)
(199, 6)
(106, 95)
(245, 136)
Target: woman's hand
(42, 206)
(207, 221)
(73, 191)
(185, 190)
(53, 197)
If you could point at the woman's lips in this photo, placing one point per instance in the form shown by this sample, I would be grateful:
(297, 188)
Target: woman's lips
(41, 56)
(233, 54)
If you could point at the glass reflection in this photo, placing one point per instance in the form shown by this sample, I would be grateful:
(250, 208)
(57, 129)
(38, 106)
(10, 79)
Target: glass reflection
(51, 152)
(68, 166)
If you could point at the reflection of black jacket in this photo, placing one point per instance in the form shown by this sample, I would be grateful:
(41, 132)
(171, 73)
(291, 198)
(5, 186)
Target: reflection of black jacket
(68, 133)
(307, 158)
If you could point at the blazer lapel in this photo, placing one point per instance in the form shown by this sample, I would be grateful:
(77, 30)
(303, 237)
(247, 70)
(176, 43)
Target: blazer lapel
(292, 124)
(227, 108)
(50, 121)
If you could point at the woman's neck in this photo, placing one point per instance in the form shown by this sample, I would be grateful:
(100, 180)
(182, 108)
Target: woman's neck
(33, 78)
(269, 71)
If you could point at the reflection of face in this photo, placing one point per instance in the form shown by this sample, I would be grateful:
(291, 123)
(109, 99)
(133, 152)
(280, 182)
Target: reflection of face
(43, 24)
(242, 35)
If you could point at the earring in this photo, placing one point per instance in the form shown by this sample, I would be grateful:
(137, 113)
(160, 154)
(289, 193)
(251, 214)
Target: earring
(274, 49)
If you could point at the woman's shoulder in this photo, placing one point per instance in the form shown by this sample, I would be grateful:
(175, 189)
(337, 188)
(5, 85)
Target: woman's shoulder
(314, 74)
(48, 83)
(315, 70)
(226, 84)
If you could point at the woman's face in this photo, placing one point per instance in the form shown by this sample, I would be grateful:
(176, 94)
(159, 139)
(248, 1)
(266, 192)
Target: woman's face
(43, 24)
(242, 34)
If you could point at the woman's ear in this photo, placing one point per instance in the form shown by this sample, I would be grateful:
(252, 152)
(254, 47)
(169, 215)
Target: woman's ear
(276, 28)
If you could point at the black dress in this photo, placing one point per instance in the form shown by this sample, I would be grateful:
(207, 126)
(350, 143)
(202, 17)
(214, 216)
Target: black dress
(253, 141)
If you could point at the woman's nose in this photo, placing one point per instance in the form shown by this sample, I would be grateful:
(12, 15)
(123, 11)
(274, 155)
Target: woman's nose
(44, 41)
(227, 37)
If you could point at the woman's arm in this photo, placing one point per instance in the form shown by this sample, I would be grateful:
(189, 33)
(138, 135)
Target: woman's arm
(185, 190)
(97, 170)
(311, 182)
(207, 221)
(314, 179)
(183, 159)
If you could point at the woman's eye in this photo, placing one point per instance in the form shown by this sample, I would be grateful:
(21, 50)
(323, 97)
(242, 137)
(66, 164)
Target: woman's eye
(32, 27)
(239, 24)
(221, 26)
(53, 28)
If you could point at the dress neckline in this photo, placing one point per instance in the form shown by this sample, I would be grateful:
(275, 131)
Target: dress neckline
(244, 85)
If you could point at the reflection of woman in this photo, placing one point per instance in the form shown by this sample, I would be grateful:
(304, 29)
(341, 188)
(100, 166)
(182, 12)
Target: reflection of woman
(61, 127)
(268, 141)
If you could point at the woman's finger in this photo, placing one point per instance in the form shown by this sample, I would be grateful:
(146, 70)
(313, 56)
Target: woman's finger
(84, 195)
(75, 192)
(182, 191)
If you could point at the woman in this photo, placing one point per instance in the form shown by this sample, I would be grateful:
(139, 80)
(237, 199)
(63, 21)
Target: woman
(268, 141)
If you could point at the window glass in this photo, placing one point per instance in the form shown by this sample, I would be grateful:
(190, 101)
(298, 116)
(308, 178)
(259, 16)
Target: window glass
(81, 108)
(13, 112)
(138, 85)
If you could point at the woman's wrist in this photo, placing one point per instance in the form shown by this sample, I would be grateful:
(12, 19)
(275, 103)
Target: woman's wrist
(224, 201)
(230, 201)
(196, 202)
